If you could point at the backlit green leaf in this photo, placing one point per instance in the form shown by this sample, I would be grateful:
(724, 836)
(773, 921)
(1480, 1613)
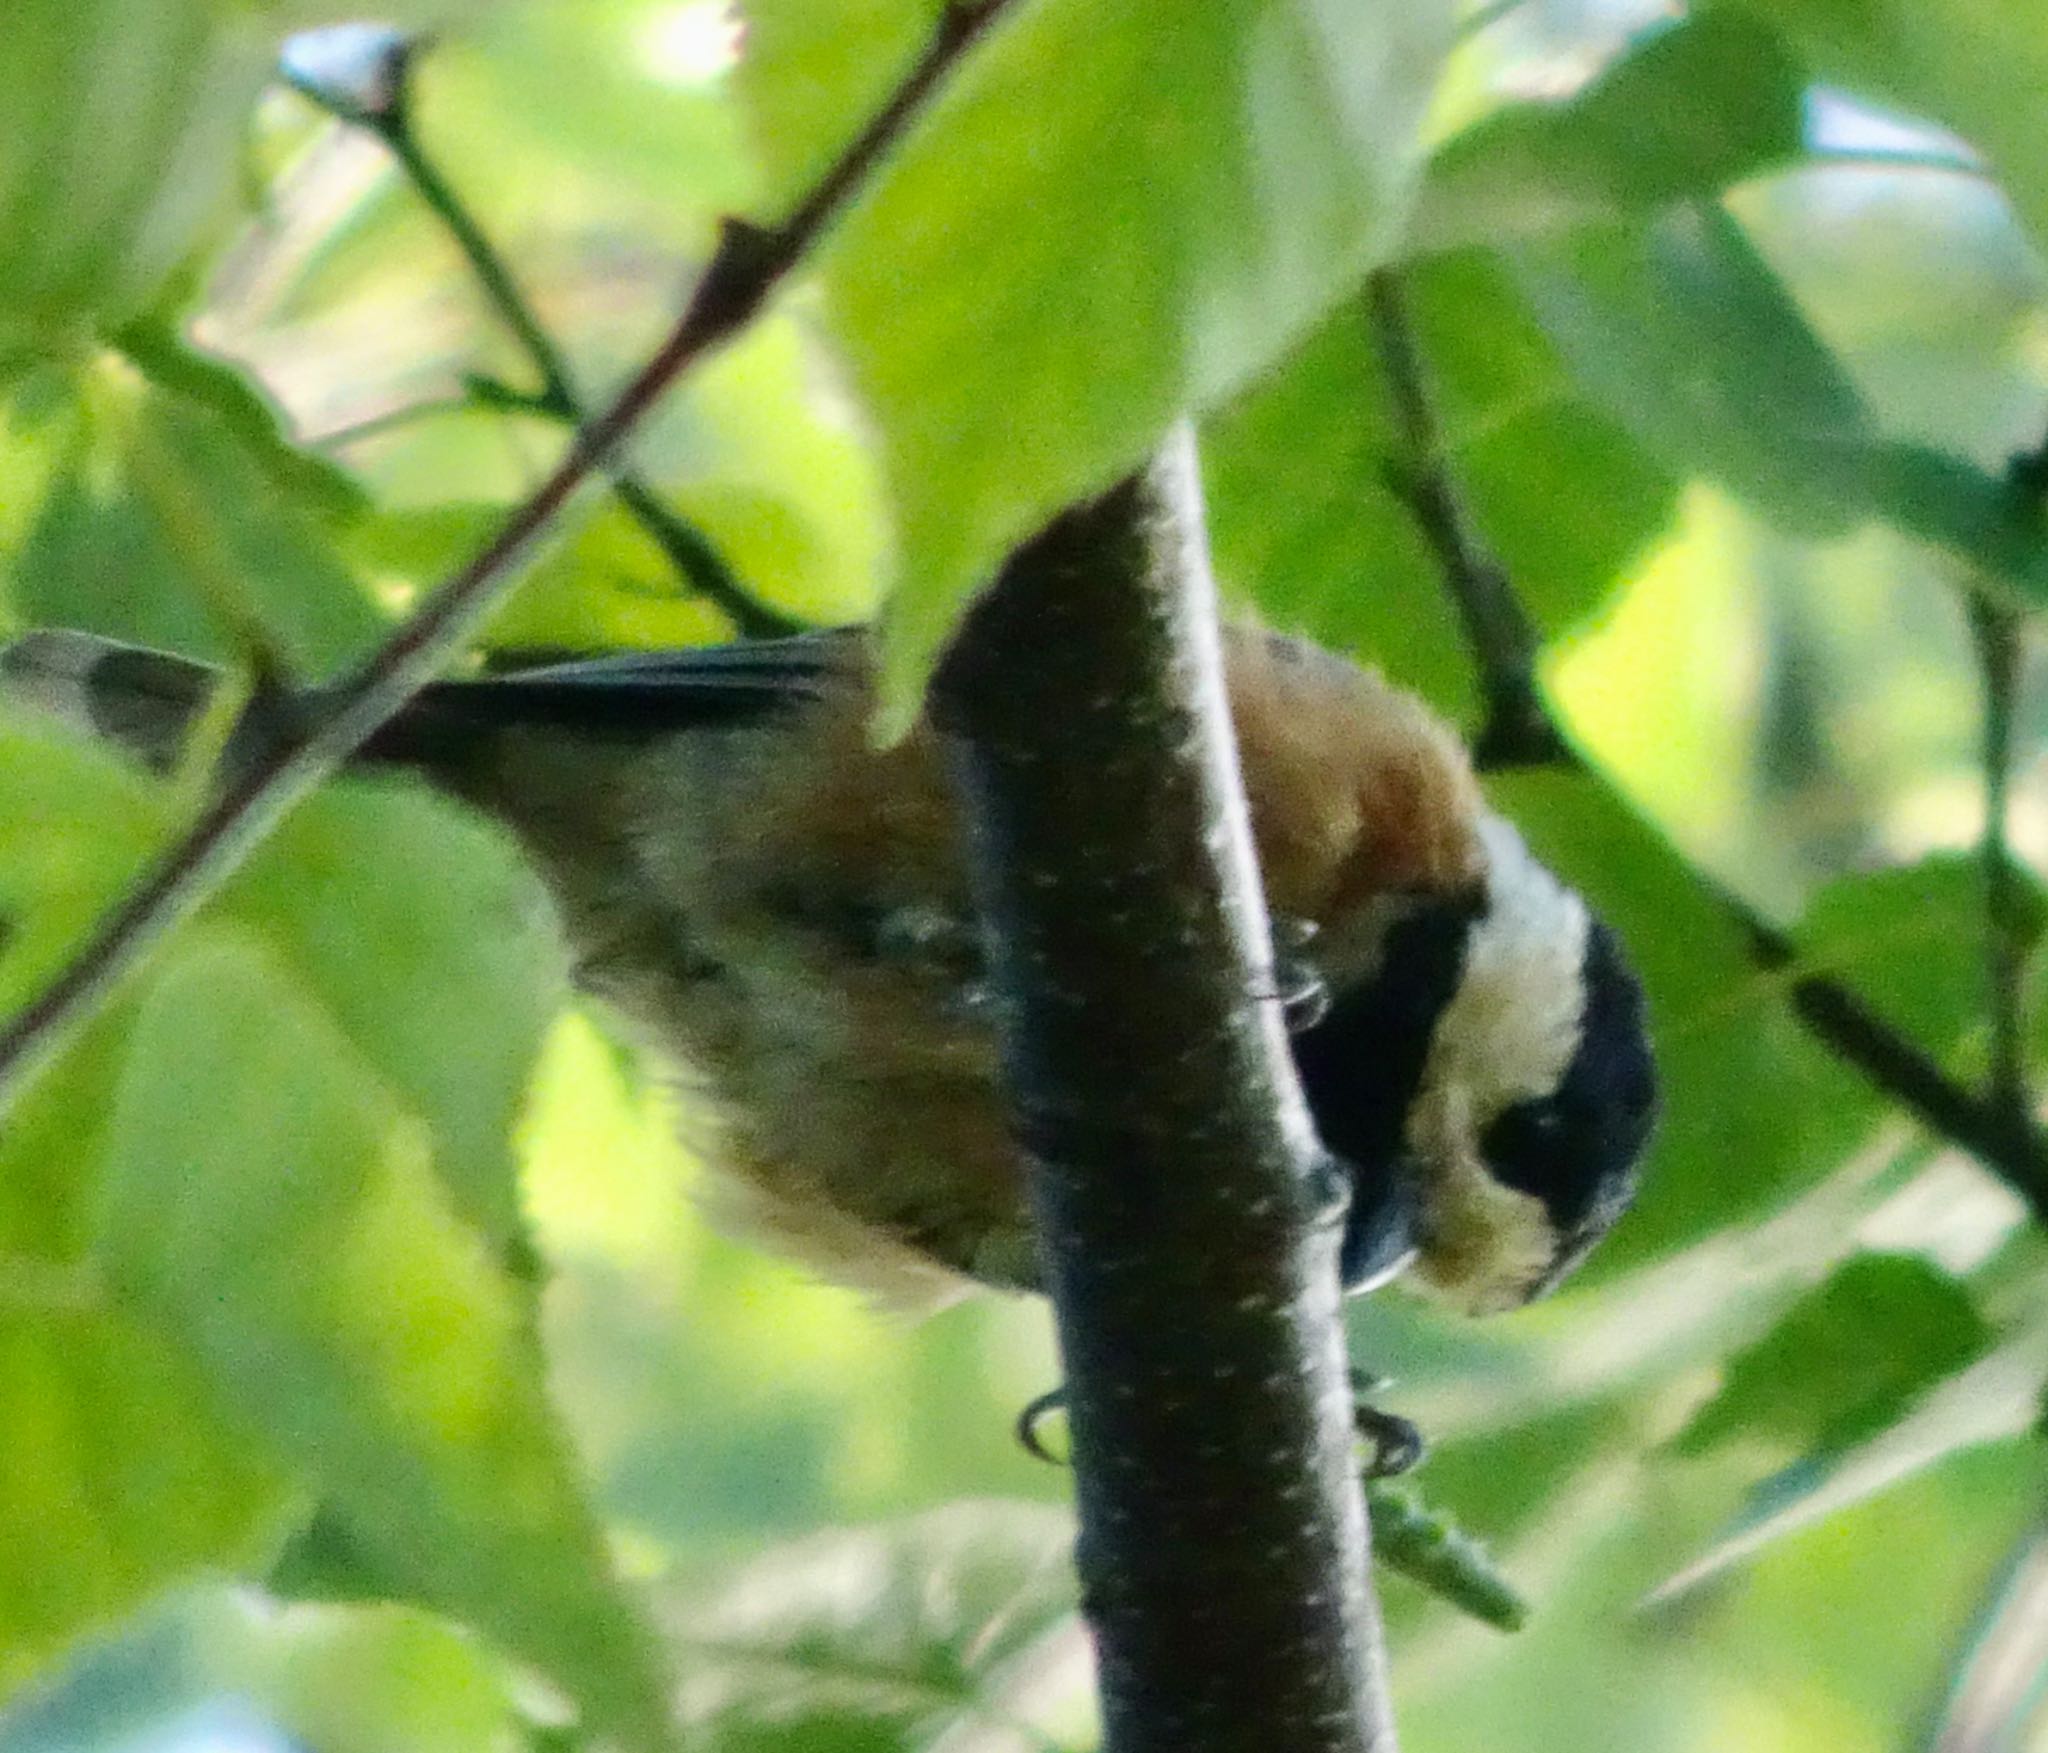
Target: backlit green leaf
(1680, 331)
(290, 1234)
(165, 525)
(119, 1479)
(74, 827)
(121, 130)
(1979, 66)
(878, 1637)
(433, 947)
(1111, 215)
(1846, 1359)
(811, 74)
(1911, 943)
(1302, 471)
(1994, 1399)
(1699, 104)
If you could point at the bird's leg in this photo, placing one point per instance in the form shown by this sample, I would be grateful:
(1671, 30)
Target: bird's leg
(1397, 1445)
(1033, 1416)
(1303, 993)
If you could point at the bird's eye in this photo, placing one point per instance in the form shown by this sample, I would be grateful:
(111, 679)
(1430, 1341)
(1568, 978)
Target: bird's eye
(1523, 1134)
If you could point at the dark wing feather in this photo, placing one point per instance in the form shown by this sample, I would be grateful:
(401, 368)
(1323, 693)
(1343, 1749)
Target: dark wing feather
(632, 696)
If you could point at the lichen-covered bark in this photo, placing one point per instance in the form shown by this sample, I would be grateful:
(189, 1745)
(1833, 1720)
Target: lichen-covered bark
(1186, 1212)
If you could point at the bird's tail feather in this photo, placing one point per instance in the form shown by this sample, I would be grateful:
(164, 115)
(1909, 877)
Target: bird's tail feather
(147, 701)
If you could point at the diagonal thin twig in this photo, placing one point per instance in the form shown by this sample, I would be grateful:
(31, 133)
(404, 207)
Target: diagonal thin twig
(2006, 1142)
(747, 266)
(1997, 1128)
(689, 550)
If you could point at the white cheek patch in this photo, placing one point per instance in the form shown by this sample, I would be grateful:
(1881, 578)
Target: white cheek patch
(1507, 1035)
(1511, 1028)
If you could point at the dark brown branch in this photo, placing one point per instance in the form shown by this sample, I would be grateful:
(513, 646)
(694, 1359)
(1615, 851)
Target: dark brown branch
(1995, 1128)
(1187, 1215)
(689, 550)
(1996, 630)
(1517, 730)
(2007, 1143)
(378, 99)
(747, 266)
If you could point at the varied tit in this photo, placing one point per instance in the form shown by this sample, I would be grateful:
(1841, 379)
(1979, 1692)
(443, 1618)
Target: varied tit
(779, 909)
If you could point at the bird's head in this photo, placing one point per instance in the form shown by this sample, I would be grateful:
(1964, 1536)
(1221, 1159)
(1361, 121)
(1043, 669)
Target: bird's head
(1491, 1068)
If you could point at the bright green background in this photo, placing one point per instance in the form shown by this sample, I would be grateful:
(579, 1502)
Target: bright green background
(342, 1257)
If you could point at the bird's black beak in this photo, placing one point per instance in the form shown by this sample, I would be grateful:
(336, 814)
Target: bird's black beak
(1379, 1229)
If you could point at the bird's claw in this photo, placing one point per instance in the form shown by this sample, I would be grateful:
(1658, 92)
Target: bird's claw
(1034, 1415)
(1397, 1444)
(1303, 993)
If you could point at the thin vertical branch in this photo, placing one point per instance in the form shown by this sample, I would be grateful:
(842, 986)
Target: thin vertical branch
(1518, 731)
(1186, 1212)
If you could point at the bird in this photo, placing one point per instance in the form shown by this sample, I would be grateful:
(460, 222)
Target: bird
(778, 910)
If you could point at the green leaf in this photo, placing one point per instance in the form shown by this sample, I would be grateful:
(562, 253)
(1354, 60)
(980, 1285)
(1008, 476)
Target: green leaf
(438, 958)
(1989, 520)
(1300, 472)
(199, 380)
(427, 936)
(1563, 495)
(119, 131)
(1304, 520)
(117, 1480)
(1910, 943)
(121, 135)
(1111, 215)
(877, 1637)
(1682, 333)
(812, 74)
(1697, 105)
(751, 452)
(1992, 1400)
(75, 826)
(1846, 1360)
(757, 453)
(1924, 284)
(289, 1233)
(1980, 66)
(369, 1679)
(164, 527)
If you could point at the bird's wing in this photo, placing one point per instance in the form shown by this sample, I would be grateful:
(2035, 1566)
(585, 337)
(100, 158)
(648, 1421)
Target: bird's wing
(629, 696)
(650, 693)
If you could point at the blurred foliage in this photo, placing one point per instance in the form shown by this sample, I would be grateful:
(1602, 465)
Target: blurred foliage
(366, 1377)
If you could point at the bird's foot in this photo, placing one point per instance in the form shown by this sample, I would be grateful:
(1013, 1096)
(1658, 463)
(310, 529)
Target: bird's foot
(1396, 1443)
